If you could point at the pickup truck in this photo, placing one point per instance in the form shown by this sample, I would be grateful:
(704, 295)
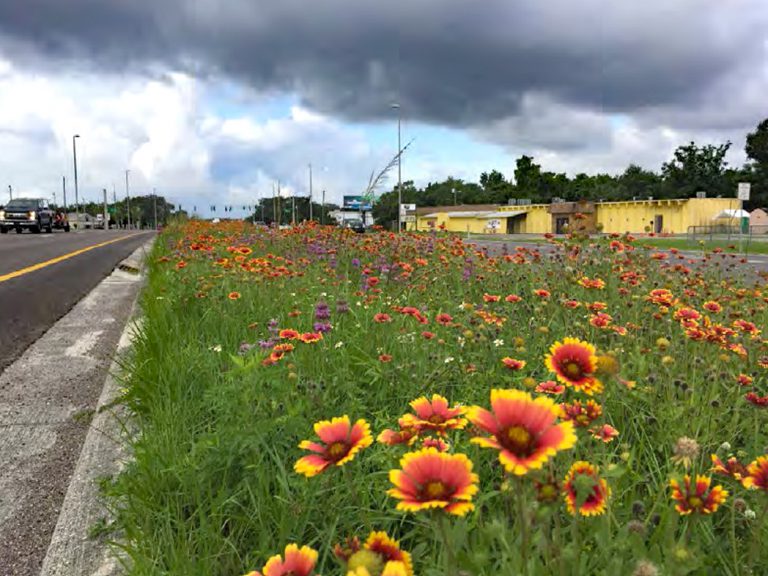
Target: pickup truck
(31, 213)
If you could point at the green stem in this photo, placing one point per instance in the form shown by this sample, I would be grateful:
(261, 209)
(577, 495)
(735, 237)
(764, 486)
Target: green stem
(450, 558)
(754, 546)
(732, 534)
(521, 514)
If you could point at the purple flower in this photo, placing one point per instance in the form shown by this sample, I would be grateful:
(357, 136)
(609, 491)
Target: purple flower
(322, 326)
(245, 347)
(356, 262)
(322, 312)
(342, 307)
(266, 343)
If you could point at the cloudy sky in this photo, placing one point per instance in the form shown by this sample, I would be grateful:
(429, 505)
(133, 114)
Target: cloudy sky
(212, 101)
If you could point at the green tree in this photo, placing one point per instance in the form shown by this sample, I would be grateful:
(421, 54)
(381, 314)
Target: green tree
(636, 182)
(695, 168)
(756, 171)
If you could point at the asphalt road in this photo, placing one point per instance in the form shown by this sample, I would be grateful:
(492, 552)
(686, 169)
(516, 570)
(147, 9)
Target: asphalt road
(32, 302)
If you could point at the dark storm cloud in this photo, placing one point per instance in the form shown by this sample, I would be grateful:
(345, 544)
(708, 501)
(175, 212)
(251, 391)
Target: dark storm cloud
(453, 62)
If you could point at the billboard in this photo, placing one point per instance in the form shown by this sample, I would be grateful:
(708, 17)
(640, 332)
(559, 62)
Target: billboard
(357, 203)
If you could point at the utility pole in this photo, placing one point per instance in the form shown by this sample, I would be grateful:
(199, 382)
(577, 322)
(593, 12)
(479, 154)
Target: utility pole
(293, 210)
(310, 191)
(10, 191)
(399, 169)
(128, 198)
(322, 211)
(77, 199)
(64, 190)
(454, 196)
(114, 199)
(106, 212)
(154, 196)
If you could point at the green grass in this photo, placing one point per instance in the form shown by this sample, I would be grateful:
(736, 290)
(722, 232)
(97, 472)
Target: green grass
(212, 491)
(734, 245)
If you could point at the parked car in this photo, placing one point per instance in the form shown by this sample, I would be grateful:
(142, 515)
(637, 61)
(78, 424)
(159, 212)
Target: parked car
(31, 213)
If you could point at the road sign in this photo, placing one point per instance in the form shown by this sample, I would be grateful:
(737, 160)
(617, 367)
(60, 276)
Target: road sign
(408, 207)
(744, 188)
(357, 203)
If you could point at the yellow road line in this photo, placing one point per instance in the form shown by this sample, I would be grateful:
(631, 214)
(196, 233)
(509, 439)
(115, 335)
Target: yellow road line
(58, 259)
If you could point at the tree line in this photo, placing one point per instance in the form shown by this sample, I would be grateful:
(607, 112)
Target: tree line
(691, 169)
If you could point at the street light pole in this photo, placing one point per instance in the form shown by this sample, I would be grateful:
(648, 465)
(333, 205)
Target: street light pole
(154, 196)
(128, 198)
(310, 191)
(64, 191)
(10, 191)
(77, 198)
(399, 168)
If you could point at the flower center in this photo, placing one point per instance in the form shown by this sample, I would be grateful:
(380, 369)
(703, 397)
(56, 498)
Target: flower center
(518, 440)
(337, 450)
(435, 490)
(695, 502)
(436, 419)
(572, 369)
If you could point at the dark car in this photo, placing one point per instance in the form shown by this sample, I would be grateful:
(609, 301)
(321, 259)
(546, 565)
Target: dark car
(31, 213)
(355, 224)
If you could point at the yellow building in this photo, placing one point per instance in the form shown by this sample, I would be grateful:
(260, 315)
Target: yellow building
(634, 216)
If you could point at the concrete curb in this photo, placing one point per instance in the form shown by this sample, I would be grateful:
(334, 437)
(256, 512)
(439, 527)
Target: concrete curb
(72, 552)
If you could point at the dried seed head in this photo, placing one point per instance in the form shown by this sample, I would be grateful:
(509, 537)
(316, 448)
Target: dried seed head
(645, 568)
(636, 527)
(685, 451)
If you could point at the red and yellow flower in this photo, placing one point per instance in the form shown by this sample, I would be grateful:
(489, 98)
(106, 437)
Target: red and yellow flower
(606, 433)
(575, 362)
(513, 363)
(757, 475)
(550, 387)
(340, 441)
(288, 334)
(524, 430)
(298, 562)
(233, 295)
(432, 479)
(697, 497)
(434, 415)
(584, 491)
(731, 467)
(311, 337)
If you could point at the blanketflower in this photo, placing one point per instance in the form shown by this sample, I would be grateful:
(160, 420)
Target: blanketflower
(298, 562)
(433, 479)
(390, 569)
(550, 387)
(339, 442)
(574, 362)
(606, 433)
(382, 318)
(512, 298)
(288, 334)
(434, 415)
(234, 295)
(311, 337)
(584, 491)
(581, 414)
(513, 363)
(699, 498)
(731, 467)
(757, 474)
(523, 429)
(394, 437)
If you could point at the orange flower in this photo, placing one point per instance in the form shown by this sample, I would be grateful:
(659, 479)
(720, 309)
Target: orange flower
(584, 491)
(699, 498)
(512, 298)
(541, 293)
(298, 562)
(385, 358)
(581, 414)
(288, 334)
(339, 442)
(444, 319)
(432, 479)
(434, 415)
(712, 306)
(491, 298)
(234, 296)
(757, 475)
(523, 429)
(311, 337)
(574, 362)
(513, 364)
(381, 318)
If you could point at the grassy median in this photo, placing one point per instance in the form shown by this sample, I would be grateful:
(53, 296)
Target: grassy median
(252, 336)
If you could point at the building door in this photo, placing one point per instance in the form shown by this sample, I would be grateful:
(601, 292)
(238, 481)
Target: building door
(560, 225)
(658, 223)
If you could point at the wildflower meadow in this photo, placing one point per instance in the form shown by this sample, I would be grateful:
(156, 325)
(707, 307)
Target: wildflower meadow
(315, 401)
